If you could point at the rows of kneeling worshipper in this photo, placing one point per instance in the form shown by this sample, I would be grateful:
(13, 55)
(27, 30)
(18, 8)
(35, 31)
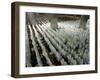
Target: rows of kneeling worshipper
(49, 47)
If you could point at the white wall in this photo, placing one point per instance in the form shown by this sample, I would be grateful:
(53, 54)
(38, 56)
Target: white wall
(5, 40)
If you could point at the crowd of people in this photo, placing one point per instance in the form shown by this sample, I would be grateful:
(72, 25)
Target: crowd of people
(67, 45)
